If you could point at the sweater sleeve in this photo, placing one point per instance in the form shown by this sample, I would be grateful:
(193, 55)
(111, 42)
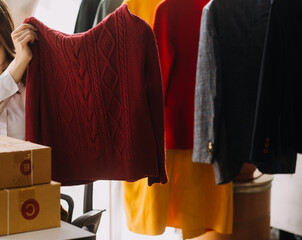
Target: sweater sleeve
(156, 105)
(33, 87)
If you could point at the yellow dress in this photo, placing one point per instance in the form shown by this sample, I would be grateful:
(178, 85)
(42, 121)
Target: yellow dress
(145, 9)
(190, 201)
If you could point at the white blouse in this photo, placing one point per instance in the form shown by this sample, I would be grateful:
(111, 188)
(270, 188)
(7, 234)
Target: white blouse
(12, 119)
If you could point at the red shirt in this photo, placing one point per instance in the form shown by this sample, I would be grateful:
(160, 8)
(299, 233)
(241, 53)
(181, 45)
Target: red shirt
(177, 27)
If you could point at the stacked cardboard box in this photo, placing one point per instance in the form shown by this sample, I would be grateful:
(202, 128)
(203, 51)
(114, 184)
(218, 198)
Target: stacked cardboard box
(29, 200)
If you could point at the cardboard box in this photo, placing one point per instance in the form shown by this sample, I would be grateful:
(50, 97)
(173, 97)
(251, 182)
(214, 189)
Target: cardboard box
(29, 208)
(23, 163)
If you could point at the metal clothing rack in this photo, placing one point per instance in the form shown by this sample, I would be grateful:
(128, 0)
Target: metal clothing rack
(88, 197)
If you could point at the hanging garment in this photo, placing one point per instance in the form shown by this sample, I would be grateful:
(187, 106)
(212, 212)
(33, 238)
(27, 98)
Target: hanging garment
(104, 8)
(278, 129)
(240, 27)
(205, 90)
(277, 132)
(190, 200)
(96, 99)
(86, 15)
(176, 28)
(144, 9)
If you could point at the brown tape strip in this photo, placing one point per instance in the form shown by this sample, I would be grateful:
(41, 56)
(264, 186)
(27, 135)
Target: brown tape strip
(32, 166)
(8, 207)
(27, 206)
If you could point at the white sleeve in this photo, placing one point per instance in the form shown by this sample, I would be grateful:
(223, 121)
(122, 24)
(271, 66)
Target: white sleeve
(8, 86)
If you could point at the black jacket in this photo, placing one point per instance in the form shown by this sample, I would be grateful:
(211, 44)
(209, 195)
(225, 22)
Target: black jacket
(278, 126)
(241, 27)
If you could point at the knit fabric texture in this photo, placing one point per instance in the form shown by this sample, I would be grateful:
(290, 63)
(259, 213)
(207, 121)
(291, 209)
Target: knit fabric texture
(96, 99)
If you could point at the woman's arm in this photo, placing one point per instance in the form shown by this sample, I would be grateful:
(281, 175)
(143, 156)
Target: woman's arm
(23, 35)
(13, 74)
(8, 86)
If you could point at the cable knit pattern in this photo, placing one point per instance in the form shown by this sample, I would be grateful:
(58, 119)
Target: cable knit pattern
(96, 98)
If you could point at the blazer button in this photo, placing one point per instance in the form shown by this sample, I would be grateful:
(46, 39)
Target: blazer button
(210, 148)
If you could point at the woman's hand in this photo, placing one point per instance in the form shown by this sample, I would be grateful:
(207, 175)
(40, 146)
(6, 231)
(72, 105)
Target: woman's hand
(21, 37)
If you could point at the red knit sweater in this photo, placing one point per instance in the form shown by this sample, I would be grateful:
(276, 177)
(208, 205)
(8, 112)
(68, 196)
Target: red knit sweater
(177, 27)
(96, 98)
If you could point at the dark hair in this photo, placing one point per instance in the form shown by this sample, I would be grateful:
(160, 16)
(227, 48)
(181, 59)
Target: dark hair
(6, 28)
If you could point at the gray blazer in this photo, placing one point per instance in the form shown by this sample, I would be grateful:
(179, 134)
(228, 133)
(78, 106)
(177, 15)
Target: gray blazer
(230, 51)
(205, 91)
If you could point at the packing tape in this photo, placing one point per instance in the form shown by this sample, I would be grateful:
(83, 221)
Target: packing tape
(7, 231)
(32, 166)
(28, 204)
(29, 207)
(27, 166)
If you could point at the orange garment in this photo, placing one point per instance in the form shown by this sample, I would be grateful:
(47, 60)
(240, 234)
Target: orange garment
(144, 9)
(190, 200)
